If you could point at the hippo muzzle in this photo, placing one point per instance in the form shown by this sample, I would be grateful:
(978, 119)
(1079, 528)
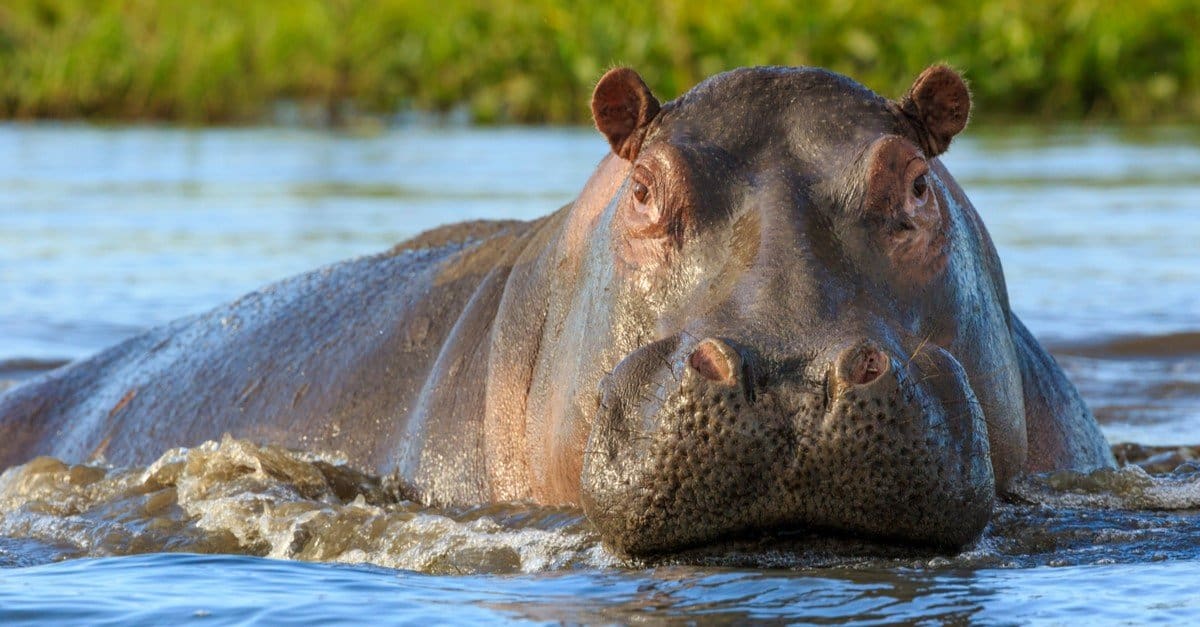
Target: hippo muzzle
(693, 444)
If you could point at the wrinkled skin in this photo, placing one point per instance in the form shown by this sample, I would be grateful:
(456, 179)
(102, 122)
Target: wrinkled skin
(770, 307)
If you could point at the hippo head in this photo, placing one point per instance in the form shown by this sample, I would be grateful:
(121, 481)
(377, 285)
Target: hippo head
(798, 319)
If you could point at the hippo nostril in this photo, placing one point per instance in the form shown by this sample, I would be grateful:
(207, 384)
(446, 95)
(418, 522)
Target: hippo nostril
(862, 365)
(872, 365)
(715, 360)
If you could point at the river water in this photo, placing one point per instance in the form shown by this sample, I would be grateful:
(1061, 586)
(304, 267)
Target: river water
(107, 231)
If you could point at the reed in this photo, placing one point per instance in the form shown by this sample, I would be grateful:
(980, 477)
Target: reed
(536, 60)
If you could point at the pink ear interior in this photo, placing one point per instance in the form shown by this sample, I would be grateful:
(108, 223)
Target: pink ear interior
(623, 106)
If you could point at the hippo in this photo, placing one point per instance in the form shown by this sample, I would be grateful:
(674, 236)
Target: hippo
(771, 307)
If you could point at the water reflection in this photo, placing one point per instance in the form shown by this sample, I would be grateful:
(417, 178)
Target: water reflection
(226, 589)
(879, 596)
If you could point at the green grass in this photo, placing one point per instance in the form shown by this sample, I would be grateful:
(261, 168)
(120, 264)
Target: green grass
(536, 61)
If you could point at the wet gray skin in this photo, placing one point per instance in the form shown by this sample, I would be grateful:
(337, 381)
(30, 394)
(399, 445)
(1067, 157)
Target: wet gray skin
(831, 356)
(771, 308)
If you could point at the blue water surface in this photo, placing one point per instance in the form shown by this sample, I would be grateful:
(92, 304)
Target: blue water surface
(218, 589)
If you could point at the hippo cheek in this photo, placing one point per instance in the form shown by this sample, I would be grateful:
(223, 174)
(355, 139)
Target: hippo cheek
(708, 459)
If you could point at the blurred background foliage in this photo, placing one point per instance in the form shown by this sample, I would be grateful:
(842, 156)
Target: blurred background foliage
(536, 60)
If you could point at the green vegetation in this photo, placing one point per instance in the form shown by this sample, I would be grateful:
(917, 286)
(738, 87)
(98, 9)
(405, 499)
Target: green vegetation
(536, 60)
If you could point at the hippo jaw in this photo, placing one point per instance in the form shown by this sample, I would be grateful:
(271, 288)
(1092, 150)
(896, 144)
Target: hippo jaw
(884, 449)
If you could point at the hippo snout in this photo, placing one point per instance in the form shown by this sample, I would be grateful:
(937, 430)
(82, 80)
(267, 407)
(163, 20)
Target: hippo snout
(697, 442)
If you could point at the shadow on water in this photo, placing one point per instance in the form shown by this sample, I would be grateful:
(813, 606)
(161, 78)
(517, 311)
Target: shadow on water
(1143, 388)
(14, 371)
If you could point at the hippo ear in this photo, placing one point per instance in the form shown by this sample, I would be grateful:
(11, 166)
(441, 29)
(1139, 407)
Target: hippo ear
(938, 105)
(623, 107)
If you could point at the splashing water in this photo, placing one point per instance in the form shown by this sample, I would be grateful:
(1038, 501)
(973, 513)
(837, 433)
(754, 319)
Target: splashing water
(236, 497)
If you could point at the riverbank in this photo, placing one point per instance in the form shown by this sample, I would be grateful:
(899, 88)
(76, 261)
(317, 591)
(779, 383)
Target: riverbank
(536, 61)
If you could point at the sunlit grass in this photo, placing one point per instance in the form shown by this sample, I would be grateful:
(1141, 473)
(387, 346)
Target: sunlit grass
(536, 60)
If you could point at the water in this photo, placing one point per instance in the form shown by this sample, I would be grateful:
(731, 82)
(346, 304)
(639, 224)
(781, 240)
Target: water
(236, 589)
(104, 232)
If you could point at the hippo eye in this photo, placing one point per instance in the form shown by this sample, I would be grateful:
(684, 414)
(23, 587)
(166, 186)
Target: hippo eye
(640, 191)
(920, 185)
(645, 214)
